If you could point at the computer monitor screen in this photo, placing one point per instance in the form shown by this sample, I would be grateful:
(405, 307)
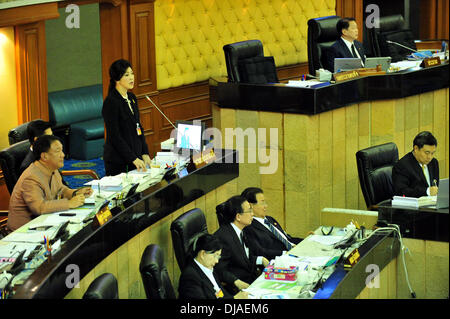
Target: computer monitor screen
(189, 135)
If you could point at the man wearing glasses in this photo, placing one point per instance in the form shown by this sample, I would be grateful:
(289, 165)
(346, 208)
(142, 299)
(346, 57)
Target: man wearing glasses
(238, 265)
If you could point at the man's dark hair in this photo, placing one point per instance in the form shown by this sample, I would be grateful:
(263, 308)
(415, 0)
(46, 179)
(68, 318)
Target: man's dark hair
(43, 144)
(424, 138)
(343, 23)
(250, 194)
(206, 242)
(233, 206)
(36, 128)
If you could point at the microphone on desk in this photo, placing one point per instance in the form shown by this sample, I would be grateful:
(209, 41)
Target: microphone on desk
(161, 112)
(401, 45)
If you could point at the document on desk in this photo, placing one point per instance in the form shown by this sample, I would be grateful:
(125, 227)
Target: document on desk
(325, 240)
(303, 84)
(32, 236)
(107, 183)
(12, 249)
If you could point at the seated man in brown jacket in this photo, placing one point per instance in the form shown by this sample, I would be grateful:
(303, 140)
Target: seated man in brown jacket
(39, 189)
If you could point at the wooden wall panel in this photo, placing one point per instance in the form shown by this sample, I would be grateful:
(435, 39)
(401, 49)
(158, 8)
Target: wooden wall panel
(31, 68)
(434, 19)
(114, 37)
(316, 161)
(142, 42)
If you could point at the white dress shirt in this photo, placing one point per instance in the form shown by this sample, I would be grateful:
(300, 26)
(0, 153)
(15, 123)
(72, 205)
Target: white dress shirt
(349, 45)
(209, 273)
(238, 232)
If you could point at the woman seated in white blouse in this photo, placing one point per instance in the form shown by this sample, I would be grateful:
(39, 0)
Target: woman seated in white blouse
(198, 279)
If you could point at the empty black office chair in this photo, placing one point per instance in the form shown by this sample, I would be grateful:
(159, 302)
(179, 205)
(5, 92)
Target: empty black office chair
(392, 28)
(322, 33)
(185, 229)
(375, 173)
(156, 280)
(246, 63)
(220, 210)
(10, 160)
(18, 134)
(103, 287)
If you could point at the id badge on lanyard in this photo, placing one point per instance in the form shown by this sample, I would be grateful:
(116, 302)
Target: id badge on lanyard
(138, 129)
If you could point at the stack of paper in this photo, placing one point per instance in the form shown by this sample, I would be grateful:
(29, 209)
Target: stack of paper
(107, 183)
(413, 201)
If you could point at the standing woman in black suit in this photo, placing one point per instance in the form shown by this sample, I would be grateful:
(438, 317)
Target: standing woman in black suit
(125, 147)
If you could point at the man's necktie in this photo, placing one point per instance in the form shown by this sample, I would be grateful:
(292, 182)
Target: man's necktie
(243, 243)
(277, 234)
(354, 51)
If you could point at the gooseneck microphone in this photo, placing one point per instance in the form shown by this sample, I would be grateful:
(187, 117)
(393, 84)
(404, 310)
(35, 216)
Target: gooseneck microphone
(401, 45)
(161, 112)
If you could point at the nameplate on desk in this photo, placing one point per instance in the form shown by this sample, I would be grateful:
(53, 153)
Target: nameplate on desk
(203, 158)
(352, 259)
(347, 75)
(103, 215)
(426, 63)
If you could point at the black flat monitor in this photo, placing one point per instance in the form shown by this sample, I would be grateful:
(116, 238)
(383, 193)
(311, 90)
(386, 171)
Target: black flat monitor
(189, 136)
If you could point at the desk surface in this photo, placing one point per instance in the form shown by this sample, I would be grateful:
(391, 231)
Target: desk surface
(288, 99)
(378, 249)
(91, 244)
(418, 223)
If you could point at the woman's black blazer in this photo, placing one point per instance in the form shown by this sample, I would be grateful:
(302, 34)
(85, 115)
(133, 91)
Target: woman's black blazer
(122, 144)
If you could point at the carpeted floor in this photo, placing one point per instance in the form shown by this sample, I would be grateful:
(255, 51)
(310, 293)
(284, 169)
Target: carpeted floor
(77, 181)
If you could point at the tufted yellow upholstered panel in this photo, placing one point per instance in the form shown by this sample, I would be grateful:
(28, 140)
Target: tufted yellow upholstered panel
(190, 34)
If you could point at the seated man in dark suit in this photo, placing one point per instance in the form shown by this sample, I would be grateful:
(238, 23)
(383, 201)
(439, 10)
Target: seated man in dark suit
(34, 130)
(238, 265)
(346, 46)
(265, 233)
(198, 279)
(417, 173)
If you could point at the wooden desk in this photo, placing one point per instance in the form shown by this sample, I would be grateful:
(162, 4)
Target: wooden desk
(318, 133)
(117, 246)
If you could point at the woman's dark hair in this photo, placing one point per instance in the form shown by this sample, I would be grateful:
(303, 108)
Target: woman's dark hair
(233, 206)
(116, 71)
(424, 138)
(250, 194)
(206, 242)
(43, 144)
(36, 128)
(344, 23)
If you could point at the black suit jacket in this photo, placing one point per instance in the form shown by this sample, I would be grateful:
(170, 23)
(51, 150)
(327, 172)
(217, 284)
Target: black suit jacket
(263, 242)
(408, 178)
(194, 284)
(234, 263)
(122, 145)
(340, 50)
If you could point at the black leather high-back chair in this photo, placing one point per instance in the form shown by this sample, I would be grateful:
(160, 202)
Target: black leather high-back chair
(375, 173)
(220, 211)
(155, 277)
(246, 63)
(322, 33)
(185, 229)
(391, 28)
(103, 287)
(18, 134)
(10, 160)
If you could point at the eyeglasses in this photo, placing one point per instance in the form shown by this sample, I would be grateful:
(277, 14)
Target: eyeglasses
(250, 210)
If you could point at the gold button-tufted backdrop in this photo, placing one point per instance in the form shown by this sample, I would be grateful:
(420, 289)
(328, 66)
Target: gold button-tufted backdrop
(190, 34)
